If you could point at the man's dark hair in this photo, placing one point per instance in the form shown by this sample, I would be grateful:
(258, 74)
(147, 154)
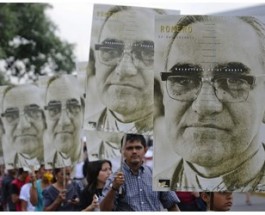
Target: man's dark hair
(20, 171)
(134, 137)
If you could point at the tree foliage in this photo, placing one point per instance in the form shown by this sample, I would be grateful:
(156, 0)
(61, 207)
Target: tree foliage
(29, 46)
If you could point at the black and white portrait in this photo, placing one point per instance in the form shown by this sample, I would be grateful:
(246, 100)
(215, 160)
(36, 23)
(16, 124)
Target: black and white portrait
(23, 125)
(64, 109)
(121, 65)
(213, 85)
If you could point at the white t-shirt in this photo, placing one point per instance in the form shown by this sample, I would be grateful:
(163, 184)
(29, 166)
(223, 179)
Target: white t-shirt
(25, 195)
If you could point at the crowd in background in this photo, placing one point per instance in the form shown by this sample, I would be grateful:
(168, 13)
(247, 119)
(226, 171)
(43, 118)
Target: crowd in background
(96, 187)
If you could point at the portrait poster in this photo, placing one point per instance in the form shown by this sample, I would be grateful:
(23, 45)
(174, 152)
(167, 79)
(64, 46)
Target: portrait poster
(64, 113)
(119, 90)
(210, 136)
(23, 122)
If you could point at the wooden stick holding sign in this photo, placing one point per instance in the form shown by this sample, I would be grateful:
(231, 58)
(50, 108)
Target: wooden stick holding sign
(121, 161)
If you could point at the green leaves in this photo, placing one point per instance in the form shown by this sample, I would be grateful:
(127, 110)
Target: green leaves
(29, 44)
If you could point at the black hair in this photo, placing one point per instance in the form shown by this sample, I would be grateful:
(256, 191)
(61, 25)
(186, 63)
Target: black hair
(20, 171)
(55, 171)
(92, 171)
(134, 137)
(84, 168)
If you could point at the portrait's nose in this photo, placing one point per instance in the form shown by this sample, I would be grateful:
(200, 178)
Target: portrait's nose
(126, 67)
(206, 102)
(23, 122)
(64, 118)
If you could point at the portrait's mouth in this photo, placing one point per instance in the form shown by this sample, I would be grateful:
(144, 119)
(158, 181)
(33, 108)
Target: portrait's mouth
(64, 133)
(123, 85)
(205, 126)
(24, 136)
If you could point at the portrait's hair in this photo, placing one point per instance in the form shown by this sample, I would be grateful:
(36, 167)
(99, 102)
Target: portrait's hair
(254, 22)
(5, 91)
(2, 126)
(55, 77)
(134, 137)
(115, 9)
(12, 86)
(92, 171)
(91, 69)
(159, 108)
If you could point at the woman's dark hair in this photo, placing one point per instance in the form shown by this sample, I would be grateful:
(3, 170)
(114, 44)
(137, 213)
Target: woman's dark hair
(84, 169)
(92, 171)
(54, 173)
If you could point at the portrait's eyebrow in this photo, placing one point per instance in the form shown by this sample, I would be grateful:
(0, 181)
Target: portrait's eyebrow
(9, 109)
(52, 102)
(32, 106)
(186, 69)
(231, 68)
(73, 100)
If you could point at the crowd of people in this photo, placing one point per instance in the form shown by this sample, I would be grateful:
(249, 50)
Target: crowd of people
(128, 189)
(201, 103)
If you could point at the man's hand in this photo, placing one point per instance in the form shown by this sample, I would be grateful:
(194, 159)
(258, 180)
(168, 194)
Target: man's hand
(118, 181)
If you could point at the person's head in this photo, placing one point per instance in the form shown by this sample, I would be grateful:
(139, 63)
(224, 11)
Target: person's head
(44, 174)
(218, 201)
(64, 112)
(12, 172)
(22, 174)
(40, 171)
(214, 89)
(97, 173)
(61, 175)
(133, 149)
(23, 119)
(124, 61)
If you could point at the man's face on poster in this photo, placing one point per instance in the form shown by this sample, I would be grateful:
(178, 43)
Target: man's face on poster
(216, 119)
(124, 62)
(23, 119)
(64, 114)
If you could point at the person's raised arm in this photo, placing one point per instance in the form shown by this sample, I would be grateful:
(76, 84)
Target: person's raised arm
(56, 203)
(94, 204)
(33, 193)
(24, 205)
(107, 203)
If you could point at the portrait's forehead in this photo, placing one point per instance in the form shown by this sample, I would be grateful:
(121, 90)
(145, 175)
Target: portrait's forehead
(129, 25)
(63, 88)
(217, 41)
(22, 96)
